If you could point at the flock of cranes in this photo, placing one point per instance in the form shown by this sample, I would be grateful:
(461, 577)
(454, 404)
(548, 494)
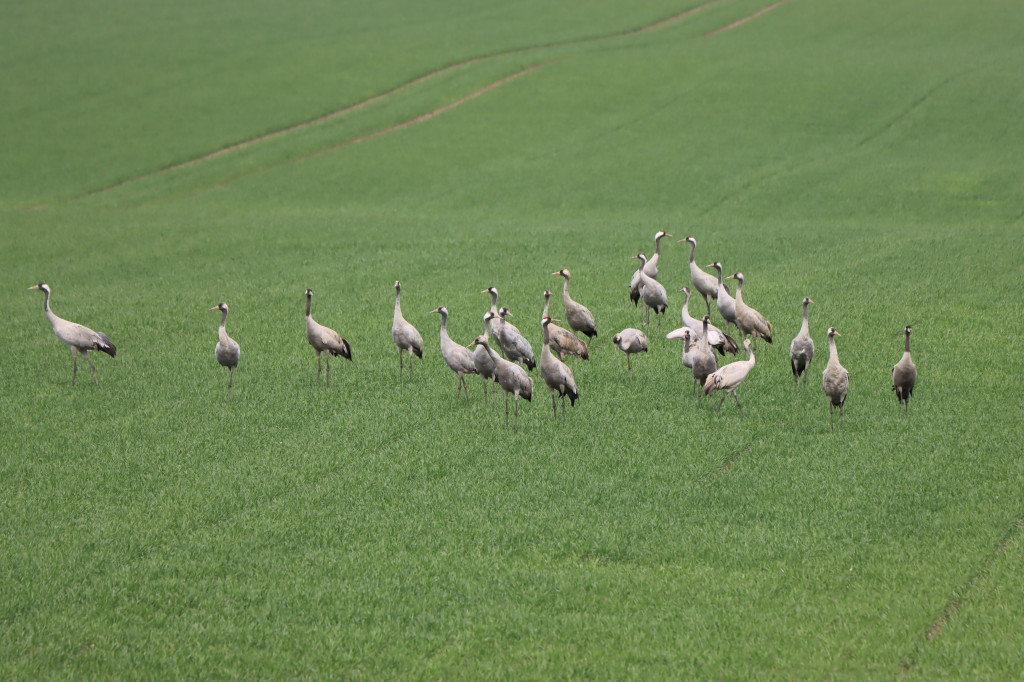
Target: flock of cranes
(503, 355)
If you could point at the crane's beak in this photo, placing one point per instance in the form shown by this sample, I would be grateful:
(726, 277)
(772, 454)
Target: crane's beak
(216, 307)
(557, 273)
(34, 286)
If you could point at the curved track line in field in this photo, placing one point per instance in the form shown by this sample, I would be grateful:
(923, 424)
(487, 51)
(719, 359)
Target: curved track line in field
(376, 98)
(744, 20)
(377, 133)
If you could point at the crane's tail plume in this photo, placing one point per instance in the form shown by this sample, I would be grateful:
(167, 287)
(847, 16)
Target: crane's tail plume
(530, 364)
(731, 346)
(344, 351)
(106, 345)
(419, 351)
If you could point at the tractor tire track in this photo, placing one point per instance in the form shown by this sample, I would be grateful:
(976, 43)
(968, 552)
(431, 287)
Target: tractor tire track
(744, 20)
(242, 144)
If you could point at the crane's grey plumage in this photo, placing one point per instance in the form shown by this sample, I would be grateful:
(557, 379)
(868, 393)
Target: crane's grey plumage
(729, 378)
(724, 300)
(801, 350)
(717, 339)
(580, 319)
(653, 293)
(512, 341)
(324, 340)
(630, 341)
(563, 341)
(749, 320)
(556, 373)
(405, 335)
(482, 359)
(496, 321)
(651, 266)
(904, 374)
(79, 338)
(705, 283)
(227, 351)
(689, 350)
(704, 362)
(511, 377)
(835, 380)
(458, 357)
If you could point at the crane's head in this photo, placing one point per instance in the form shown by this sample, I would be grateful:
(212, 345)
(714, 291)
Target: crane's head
(441, 309)
(309, 292)
(488, 316)
(503, 311)
(691, 239)
(641, 256)
(398, 285)
(42, 285)
(736, 276)
(564, 272)
(907, 329)
(617, 339)
(807, 299)
(222, 306)
(832, 332)
(480, 341)
(490, 290)
(547, 294)
(659, 234)
(716, 265)
(706, 320)
(746, 344)
(685, 290)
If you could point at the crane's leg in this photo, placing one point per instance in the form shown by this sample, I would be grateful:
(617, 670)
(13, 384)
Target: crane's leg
(832, 415)
(317, 384)
(462, 379)
(841, 410)
(738, 404)
(85, 354)
(484, 379)
(327, 359)
(554, 407)
(74, 372)
(719, 408)
(629, 365)
(506, 409)
(231, 380)
(515, 428)
(400, 364)
(410, 362)
(563, 409)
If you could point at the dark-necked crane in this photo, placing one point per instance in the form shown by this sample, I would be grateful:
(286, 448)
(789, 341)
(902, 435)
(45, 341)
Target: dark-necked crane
(653, 293)
(801, 350)
(835, 380)
(563, 341)
(458, 357)
(717, 339)
(580, 319)
(512, 341)
(705, 284)
(749, 320)
(227, 351)
(904, 374)
(324, 340)
(511, 377)
(704, 363)
(79, 339)
(724, 300)
(482, 359)
(729, 378)
(405, 335)
(650, 267)
(630, 341)
(556, 373)
(496, 321)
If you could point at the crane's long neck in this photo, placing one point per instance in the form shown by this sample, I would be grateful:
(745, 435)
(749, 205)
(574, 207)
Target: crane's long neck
(657, 246)
(487, 329)
(803, 325)
(223, 319)
(906, 346)
(547, 302)
(739, 290)
(398, 304)
(494, 302)
(720, 282)
(547, 337)
(686, 309)
(693, 247)
(565, 290)
(704, 339)
(309, 304)
(50, 315)
(833, 354)
(444, 324)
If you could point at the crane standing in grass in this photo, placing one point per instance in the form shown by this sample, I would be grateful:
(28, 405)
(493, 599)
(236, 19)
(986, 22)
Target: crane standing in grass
(227, 351)
(650, 268)
(729, 378)
(717, 339)
(511, 377)
(704, 363)
(563, 341)
(653, 293)
(556, 373)
(801, 350)
(630, 341)
(512, 341)
(747, 319)
(458, 357)
(904, 374)
(705, 284)
(724, 301)
(405, 335)
(324, 340)
(80, 339)
(482, 359)
(835, 380)
(580, 319)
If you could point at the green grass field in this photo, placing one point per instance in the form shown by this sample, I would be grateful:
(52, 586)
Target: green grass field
(865, 154)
